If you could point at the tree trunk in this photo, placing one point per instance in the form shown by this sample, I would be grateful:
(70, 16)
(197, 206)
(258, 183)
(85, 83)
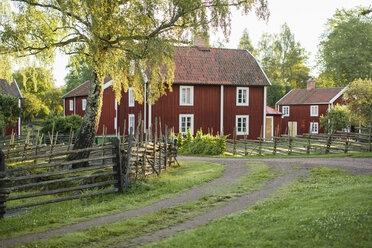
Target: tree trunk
(89, 126)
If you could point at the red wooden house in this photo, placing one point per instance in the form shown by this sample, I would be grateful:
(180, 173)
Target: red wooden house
(302, 108)
(12, 90)
(214, 89)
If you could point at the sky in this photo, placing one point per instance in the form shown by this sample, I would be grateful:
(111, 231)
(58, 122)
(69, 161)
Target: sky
(306, 20)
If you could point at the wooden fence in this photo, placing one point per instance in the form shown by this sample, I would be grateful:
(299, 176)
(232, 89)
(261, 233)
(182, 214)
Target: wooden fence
(302, 144)
(37, 175)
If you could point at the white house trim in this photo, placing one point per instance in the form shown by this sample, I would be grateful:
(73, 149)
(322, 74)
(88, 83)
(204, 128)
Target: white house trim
(282, 98)
(259, 66)
(106, 85)
(338, 95)
(264, 114)
(221, 111)
(74, 105)
(116, 118)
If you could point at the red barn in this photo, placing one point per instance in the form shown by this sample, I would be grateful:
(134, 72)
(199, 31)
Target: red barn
(12, 90)
(302, 108)
(214, 89)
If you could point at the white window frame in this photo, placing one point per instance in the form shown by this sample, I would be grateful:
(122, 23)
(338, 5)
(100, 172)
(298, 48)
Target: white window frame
(314, 110)
(239, 101)
(183, 102)
(130, 97)
(285, 107)
(84, 104)
(191, 124)
(71, 103)
(240, 132)
(315, 126)
(131, 122)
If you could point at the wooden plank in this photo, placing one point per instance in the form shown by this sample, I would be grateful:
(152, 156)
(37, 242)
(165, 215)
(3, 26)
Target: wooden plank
(63, 190)
(62, 199)
(69, 179)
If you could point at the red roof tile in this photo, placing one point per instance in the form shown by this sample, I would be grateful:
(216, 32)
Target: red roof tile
(271, 111)
(220, 66)
(217, 66)
(303, 96)
(10, 89)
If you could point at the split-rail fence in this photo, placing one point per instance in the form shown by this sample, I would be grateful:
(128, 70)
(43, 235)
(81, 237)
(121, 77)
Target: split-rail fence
(41, 174)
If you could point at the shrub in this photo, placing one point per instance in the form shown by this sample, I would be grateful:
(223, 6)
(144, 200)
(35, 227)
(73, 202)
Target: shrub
(202, 144)
(61, 124)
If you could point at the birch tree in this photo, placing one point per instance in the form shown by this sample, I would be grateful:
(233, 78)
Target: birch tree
(120, 38)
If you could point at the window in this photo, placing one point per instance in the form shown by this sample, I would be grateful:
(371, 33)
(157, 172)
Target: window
(186, 122)
(187, 95)
(242, 124)
(71, 105)
(314, 110)
(285, 110)
(130, 97)
(131, 123)
(314, 127)
(84, 104)
(242, 96)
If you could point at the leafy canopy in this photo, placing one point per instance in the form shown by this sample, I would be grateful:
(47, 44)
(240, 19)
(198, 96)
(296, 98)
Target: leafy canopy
(336, 118)
(283, 59)
(119, 38)
(359, 98)
(346, 46)
(9, 111)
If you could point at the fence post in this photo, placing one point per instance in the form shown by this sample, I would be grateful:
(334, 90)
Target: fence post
(117, 164)
(234, 141)
(346, 142)
(275, 139)
(245, 145)
(308, 144)
(260, 143)
(166, 147)
(3, 190)
(129, 153)
(329, 143)
(289, 145)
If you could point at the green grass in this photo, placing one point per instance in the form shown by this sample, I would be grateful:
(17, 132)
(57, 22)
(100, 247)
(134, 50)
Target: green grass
(174, 181)
(329, 155)
(325, 209)
(109, 234)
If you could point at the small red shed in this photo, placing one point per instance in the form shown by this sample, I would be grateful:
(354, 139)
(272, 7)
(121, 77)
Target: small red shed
(273, 123)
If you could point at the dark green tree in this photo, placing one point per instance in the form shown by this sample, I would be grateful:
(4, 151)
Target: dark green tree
(245, 42)
(276, 91)
(346, 46)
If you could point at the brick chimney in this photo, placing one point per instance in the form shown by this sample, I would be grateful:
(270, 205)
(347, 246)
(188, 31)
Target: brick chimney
(201, 41)
(310, 84)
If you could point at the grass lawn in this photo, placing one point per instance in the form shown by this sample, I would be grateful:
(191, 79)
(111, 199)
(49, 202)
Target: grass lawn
(320, 155)
(174, 181)
(326, 209)
(113, 233)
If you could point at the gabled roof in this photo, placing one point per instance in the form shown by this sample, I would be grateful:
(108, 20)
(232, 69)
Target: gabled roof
(218, 66)
(315, 96)
(82, 89)
(271, 111)
(10, 89)
(211, 66)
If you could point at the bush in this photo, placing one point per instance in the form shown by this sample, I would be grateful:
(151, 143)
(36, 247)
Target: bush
(202, 143)
(61, 124)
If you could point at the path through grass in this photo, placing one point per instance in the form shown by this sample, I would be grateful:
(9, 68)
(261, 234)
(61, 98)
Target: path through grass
(174, 181)
(327, 209)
